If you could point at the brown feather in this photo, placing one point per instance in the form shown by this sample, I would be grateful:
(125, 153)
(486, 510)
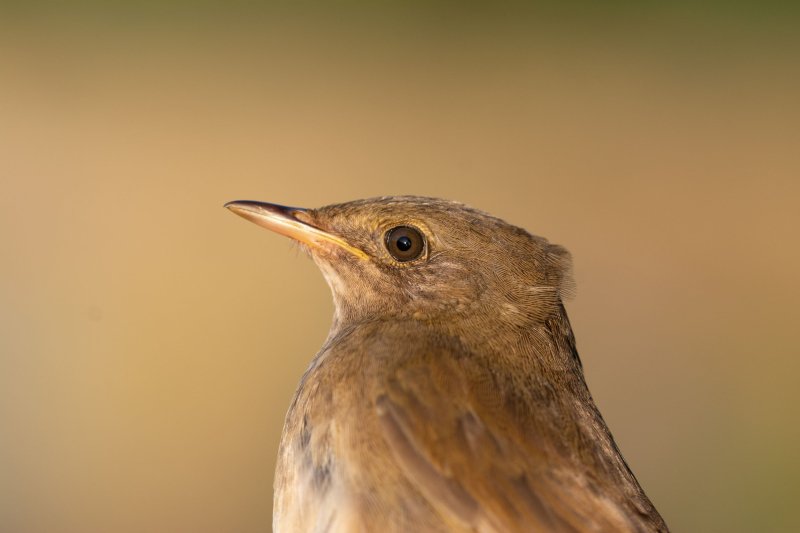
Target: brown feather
(449, 395)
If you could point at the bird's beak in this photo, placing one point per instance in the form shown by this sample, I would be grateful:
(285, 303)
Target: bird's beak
(289, 221)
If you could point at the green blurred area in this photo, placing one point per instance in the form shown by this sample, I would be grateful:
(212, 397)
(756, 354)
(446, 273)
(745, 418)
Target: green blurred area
(439, 14)
(150, 341)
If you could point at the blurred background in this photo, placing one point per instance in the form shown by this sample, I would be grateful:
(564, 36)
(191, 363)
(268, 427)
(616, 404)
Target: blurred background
(150, 341)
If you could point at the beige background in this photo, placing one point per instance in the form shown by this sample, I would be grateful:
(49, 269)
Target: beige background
(150, 341)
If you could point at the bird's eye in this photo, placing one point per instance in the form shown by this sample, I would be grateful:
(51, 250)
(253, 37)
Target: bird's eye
(405, 243)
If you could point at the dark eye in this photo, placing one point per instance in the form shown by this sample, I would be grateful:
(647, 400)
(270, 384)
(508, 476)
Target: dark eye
(405, 243)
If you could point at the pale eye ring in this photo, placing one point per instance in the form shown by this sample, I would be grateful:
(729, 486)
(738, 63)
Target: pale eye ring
(405, 243)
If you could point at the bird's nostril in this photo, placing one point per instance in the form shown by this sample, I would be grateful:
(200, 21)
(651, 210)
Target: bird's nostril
(301, 215)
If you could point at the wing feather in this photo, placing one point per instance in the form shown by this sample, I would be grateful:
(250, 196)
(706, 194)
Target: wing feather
(443, 422)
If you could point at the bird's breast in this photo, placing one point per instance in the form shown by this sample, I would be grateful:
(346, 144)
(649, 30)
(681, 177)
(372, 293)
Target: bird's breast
(314, 478)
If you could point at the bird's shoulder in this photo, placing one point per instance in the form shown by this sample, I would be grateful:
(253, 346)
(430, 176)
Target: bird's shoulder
(460, 432)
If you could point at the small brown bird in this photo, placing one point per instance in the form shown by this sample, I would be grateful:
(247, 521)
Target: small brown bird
(449, 395)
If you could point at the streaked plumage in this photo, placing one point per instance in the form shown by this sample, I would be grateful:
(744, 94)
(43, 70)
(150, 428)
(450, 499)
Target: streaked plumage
(449, 395)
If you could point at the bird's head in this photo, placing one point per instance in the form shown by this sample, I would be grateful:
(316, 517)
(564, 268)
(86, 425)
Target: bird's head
(423, 258)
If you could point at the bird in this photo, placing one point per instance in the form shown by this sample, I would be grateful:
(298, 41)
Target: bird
(449, 395)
